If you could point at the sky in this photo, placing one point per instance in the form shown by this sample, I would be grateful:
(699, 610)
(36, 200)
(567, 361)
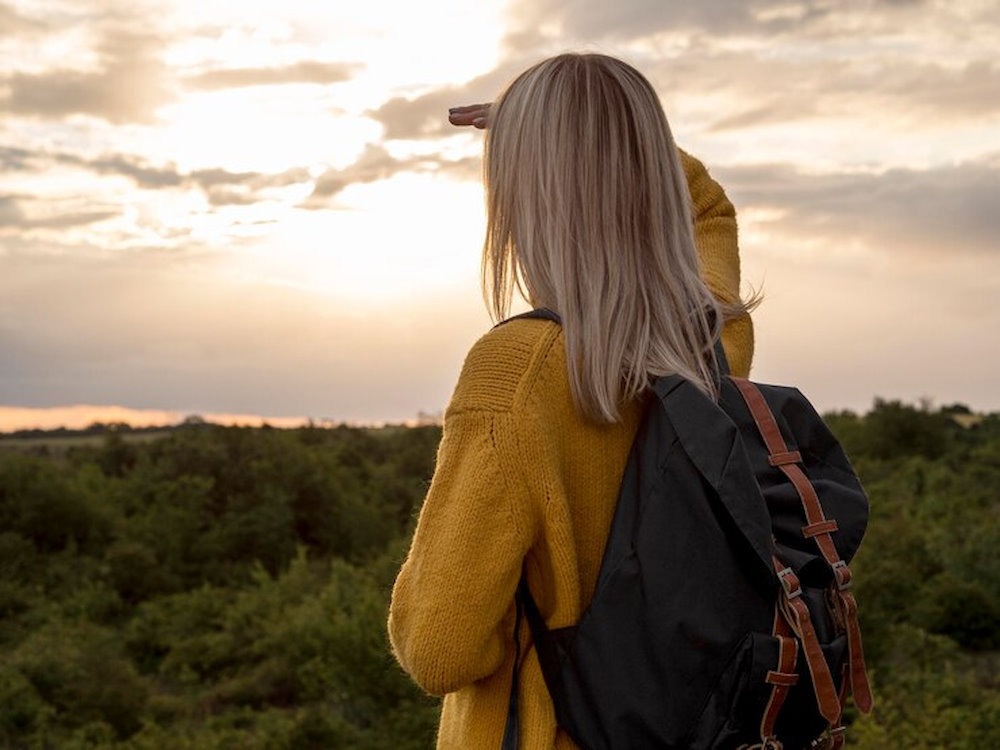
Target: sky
(258, 210)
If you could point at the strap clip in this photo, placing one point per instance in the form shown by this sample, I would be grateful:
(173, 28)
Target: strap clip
(842, 574)
(789, 582)
(832, 737)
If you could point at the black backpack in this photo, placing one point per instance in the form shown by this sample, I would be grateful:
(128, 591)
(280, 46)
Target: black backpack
(723, 615)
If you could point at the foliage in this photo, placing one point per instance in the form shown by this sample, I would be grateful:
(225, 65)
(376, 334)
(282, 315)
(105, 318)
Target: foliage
(215, 588)
(226, 587)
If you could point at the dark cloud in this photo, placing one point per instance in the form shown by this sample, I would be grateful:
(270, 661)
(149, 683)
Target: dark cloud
(131, 83)
(302, 72)
(943, 211)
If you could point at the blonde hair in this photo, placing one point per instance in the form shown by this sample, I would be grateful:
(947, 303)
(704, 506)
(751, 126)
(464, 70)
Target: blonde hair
(588, 214)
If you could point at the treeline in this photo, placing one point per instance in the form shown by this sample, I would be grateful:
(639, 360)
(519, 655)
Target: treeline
(227, 587)
(98, 428)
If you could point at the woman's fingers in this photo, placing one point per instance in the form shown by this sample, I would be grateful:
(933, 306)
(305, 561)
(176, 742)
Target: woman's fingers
(476, 115)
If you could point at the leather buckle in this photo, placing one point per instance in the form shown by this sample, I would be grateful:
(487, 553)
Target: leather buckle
(789, 582)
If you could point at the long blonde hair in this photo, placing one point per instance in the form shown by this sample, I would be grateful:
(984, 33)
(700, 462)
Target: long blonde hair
(588, 214)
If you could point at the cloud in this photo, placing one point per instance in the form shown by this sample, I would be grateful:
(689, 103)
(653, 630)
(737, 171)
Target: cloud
(223, 187)
(13, 23)
(941, 211)
(786, 93)
(301, 72)
(131, 83)
(426, 115)
(599, 20)
(376, 163)
(12, 216)
(534, 22)
(10, 211)
(789, 62)
(13, 158)
(973, 89)
(220, 186)
(780, 61)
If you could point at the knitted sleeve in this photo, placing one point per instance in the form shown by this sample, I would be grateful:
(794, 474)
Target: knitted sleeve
(448, 616)
(718, 250)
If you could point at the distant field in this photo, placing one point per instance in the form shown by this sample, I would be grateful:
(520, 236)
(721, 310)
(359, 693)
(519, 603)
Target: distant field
(61, 443)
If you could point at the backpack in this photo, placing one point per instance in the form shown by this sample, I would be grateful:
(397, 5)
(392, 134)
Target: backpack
(723, 615)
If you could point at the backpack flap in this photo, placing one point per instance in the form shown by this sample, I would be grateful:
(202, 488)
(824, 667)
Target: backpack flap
(823, 460)
(715, 446)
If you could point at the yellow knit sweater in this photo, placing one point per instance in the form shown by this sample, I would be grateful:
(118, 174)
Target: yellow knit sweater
(522, 480)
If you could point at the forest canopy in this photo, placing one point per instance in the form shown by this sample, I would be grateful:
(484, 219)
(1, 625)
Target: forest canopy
(227, 587)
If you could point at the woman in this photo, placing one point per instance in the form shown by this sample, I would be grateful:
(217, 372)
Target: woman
(593, 213)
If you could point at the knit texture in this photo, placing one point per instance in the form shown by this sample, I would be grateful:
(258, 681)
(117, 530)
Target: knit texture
(522, 480)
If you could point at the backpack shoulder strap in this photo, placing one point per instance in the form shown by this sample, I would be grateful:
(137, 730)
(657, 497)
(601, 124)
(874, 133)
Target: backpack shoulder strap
(510, 731)
(539, 312)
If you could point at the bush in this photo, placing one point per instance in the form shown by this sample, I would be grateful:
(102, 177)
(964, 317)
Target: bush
(80, 671)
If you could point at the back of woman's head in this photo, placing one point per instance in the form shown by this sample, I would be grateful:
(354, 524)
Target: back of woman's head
(588, 214)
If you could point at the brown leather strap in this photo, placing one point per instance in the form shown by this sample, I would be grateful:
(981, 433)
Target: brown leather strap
(779, 453)
(856, 656)
(797, 614)
(823, 527)
(783, 678)
(837, 733)
(780, 459)
(814, 514)
(818, 527)
(762, 416)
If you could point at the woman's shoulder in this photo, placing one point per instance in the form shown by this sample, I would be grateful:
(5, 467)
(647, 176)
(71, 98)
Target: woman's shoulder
(502, 366)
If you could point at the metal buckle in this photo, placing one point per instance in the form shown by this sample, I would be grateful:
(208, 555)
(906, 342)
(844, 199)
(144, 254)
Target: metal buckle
(825, 740)
(789, 582)
(766, 743)
(837, 568)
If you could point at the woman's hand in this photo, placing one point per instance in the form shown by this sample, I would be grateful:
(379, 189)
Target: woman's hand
(476, 115)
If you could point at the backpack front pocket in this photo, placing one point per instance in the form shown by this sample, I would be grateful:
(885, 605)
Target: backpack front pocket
(734, 708)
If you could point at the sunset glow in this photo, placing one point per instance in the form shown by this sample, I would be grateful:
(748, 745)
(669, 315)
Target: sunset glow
(260, 210)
